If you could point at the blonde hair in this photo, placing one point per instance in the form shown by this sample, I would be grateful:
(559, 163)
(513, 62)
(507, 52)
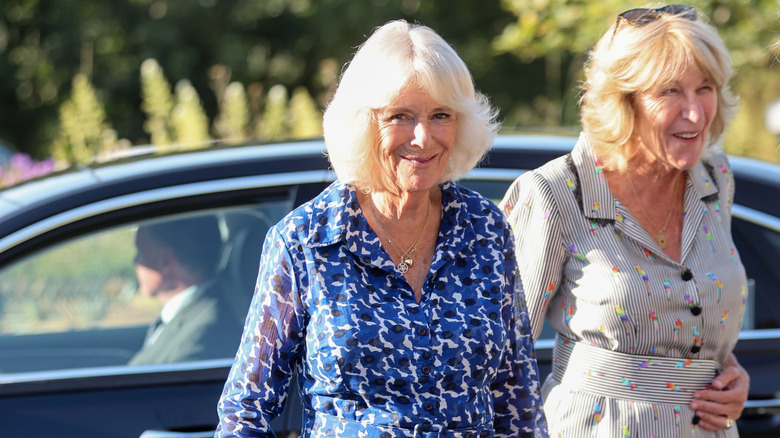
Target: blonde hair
(396, 56)
(636, 58)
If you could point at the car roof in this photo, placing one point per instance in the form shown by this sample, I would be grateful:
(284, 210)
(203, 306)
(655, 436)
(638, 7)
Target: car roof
(61, 191)
(64, 190)
(222, 161)
(152, 163)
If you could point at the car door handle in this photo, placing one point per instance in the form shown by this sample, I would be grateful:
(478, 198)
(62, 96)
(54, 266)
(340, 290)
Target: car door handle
(762, 407)
(168, 434)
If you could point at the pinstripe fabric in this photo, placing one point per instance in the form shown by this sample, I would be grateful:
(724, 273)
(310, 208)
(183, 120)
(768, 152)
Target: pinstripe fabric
(597, 275)
(651, 379)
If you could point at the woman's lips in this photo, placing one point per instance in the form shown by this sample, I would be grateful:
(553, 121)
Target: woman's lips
(686, 135)
(419, 160)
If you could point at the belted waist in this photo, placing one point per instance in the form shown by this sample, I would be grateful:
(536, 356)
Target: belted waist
(330, 425)
(651, 379)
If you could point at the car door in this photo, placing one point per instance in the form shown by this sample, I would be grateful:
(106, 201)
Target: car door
(71, 317)
(757, 237)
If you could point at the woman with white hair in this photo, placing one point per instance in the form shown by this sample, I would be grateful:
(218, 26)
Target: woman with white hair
(625, 243)
(392, 295)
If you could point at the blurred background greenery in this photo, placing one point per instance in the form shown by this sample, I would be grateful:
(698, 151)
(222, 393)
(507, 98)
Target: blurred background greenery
(85, 78)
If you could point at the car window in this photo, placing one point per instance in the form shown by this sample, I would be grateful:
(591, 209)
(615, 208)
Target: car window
(759, 249)
(74, 285)
(79, 303)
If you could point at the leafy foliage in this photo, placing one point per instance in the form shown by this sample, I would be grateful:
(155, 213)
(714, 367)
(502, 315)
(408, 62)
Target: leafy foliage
(157, 103)
(561, 30)
(525, 54)
(233, 121)
(84, 131)
(259, 43)
(272, 126)
(188, 118)
(304, 118)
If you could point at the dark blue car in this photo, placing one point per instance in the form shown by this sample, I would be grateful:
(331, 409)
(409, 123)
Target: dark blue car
(71, 317)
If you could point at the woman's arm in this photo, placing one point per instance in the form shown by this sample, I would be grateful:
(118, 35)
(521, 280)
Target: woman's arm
(259, 381)
(529, 208)
(517, 390)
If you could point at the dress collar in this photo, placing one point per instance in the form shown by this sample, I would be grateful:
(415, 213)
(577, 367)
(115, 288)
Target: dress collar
(336, 216)
(597, 200)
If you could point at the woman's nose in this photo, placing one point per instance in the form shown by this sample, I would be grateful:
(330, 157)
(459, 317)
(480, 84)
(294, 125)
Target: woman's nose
(693, 110)
(421, 132)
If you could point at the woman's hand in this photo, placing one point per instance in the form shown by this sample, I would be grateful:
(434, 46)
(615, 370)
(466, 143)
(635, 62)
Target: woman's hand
(721, 405)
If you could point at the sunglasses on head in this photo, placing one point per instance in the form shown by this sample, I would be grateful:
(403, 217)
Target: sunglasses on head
(642, 16)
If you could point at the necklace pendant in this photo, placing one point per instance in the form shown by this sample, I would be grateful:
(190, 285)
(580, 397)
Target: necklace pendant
(403, 267)
(661, 239)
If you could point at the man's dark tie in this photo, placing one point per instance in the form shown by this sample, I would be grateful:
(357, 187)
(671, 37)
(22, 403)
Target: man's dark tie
(152, 328)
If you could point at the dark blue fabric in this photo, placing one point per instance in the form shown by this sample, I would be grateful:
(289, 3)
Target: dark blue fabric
(370, 360)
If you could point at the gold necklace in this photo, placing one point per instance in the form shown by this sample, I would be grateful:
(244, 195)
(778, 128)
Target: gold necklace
(661, 236)
(406, 256)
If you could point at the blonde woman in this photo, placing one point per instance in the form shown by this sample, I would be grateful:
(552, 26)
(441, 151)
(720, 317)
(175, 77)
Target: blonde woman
(625, 247)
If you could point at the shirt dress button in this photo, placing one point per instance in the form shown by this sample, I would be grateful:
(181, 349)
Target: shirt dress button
(428, 406)
(696, 310)
(426, 369)
(695, 349)
(687, 275)
(422, 331)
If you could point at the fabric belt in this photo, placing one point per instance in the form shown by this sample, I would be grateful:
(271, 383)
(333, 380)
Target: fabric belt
(649, 379)
(329, 425)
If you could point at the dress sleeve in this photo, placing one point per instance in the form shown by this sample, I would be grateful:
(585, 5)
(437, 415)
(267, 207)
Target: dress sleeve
(259, 380)
(516, 390)
(530, 209)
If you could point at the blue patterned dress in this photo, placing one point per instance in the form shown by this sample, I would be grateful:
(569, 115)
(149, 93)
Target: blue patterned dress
(370, 360)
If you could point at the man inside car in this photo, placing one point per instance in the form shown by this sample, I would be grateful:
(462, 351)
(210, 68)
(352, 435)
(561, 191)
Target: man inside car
(176, 264)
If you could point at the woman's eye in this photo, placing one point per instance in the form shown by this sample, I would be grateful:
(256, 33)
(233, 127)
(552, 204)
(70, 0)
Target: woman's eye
(442, 118)
(399, 118)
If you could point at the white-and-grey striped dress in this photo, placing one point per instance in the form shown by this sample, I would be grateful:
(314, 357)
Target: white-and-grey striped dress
(602, 281)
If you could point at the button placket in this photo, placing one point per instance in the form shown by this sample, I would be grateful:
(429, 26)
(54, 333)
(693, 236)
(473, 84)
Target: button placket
(687, 275)
(423, 338)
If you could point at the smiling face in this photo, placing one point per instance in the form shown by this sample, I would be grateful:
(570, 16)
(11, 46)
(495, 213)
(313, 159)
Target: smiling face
(673, 121)
(416, 136)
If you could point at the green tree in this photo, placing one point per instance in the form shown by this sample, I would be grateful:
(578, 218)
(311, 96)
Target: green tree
(524, 54)
(273, 123)
(233, 121)
(85, 133)
(157, 103)
(294, 43)
(303, 116)
(560, 32)
(188, 118)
